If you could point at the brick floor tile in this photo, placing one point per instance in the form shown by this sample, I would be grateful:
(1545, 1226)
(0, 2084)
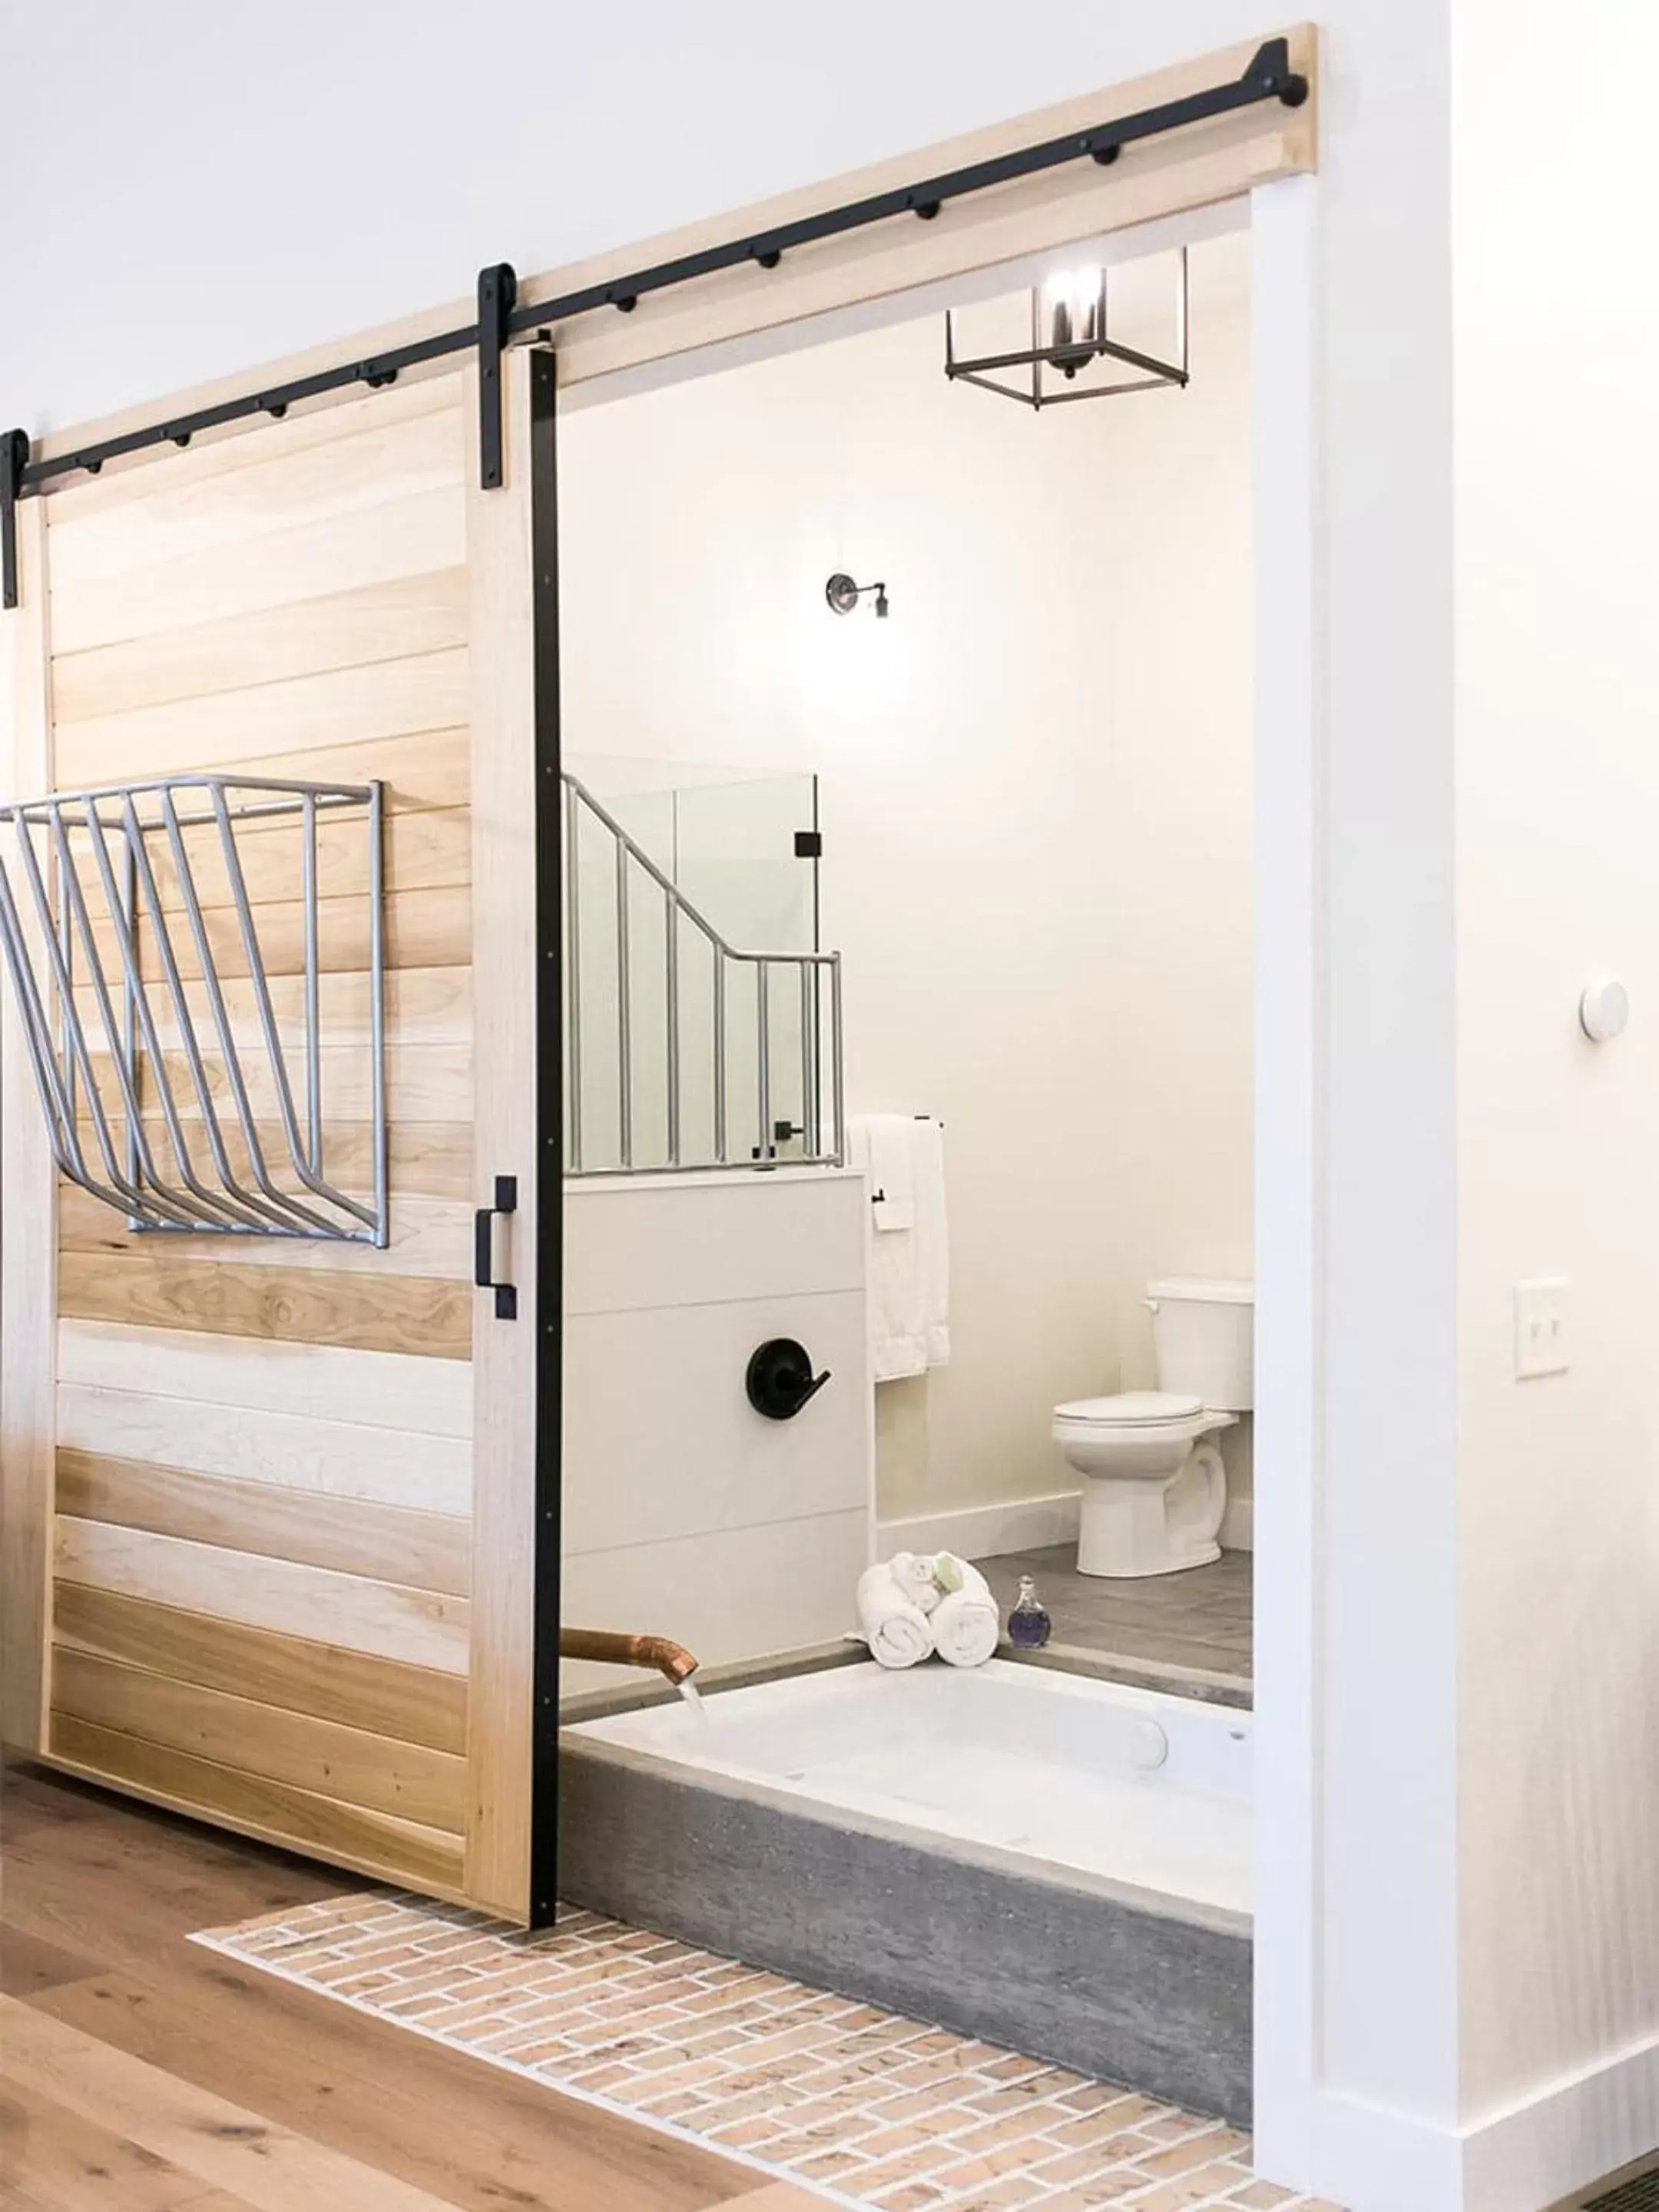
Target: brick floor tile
(910, 2197)
(1003, 2195)
(596, 2078)
(1120, 2184)
(1100, 2133)
(746, 2134)
(1012, 2127)
(1174, 2127)
(905, 2073)
(927, 2158)
(1181, 2158)
(652, 2088)
(1201, 2185)
(841, 2166)
(1010, 2067)
(1013, 2097)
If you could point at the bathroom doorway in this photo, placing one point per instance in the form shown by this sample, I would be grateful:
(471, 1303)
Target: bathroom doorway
(1011, 786)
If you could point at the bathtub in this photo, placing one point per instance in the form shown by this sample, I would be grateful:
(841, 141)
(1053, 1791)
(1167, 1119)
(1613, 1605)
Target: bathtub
(1060, 1864)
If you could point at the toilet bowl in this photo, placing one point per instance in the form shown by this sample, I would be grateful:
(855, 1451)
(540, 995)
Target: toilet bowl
(1154, 1490)
(1154, 1485)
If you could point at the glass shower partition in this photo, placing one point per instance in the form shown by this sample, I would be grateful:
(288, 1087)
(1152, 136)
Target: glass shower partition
(679, 1055)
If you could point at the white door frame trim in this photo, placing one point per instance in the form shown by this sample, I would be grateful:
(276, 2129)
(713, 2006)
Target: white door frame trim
(1290, 1048)
(1292, 1054)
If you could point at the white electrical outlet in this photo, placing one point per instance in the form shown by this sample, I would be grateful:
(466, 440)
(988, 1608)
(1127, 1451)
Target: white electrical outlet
(1540, 1328)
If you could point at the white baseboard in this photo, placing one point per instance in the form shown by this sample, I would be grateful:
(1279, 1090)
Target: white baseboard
(1563, 2138)
(1567, 2136)
(1023, 1524)
(1238, 1525)
(1381, 2160)
(977, 1532)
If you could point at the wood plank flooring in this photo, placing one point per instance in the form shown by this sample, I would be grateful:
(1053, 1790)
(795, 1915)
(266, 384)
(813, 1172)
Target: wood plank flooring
(1198, 1620)
(142, 2074)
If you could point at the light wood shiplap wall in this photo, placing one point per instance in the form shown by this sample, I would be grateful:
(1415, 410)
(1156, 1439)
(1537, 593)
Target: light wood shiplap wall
(262, 1522)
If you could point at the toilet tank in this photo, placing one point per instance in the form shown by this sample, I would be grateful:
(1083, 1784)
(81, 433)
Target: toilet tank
(1203, 1338)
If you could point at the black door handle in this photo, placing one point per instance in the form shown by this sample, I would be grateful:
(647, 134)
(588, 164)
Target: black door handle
(483, 1247)
(779, 1380)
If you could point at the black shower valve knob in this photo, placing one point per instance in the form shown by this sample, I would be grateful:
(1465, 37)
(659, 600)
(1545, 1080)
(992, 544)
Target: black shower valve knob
(779, 1380)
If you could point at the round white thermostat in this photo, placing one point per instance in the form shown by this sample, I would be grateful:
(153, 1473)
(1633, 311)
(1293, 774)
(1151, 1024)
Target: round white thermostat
(1604, 1009)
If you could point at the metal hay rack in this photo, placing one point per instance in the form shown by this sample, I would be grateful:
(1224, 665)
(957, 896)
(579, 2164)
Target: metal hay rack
(164, 943)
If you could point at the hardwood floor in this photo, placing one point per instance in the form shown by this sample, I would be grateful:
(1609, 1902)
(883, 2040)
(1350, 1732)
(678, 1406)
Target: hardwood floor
(140, 2073)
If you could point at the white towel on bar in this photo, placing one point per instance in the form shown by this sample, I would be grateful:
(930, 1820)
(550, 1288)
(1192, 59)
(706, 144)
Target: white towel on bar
(893, 1626)
(890, 1155)
(910, 1264)
(965, 1623)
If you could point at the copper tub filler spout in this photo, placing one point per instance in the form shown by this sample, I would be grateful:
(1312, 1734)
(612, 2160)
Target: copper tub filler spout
(671, 1660)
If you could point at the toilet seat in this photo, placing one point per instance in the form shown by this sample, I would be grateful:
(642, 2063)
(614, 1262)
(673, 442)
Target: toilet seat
(1149, 1412)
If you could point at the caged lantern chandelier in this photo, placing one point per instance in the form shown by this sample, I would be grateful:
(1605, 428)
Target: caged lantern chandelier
(1069, 337)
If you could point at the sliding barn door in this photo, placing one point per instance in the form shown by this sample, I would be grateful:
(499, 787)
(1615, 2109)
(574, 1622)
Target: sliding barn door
(270, 1504)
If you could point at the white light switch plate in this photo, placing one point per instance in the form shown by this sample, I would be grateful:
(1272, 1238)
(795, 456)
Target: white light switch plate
(1540, 1328)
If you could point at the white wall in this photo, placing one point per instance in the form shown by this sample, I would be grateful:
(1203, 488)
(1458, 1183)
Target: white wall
(1035, 789)
(1558, 796)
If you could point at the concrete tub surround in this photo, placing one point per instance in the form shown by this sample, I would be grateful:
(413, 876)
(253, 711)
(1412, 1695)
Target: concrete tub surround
(1065, 1967)
(1070, 1963)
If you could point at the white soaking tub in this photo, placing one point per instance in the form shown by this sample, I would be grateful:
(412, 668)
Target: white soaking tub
(1147, 1789)
(1048, 1861)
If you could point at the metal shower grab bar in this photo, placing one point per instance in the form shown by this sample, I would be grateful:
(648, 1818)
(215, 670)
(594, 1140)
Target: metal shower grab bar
(50, 941)
(822, 1127)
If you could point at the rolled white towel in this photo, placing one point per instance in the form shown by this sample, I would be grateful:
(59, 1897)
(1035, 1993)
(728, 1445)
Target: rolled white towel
(916, 1578)
(896, 1630)
(965, 1623)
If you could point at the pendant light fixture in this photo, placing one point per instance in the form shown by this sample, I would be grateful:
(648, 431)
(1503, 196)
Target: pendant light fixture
(1070, 339)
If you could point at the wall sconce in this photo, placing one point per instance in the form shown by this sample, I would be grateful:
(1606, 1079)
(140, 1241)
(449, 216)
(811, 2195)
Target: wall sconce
(843, 594)
(1069, 333)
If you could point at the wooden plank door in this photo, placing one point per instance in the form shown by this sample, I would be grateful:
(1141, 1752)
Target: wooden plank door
(269, 1505)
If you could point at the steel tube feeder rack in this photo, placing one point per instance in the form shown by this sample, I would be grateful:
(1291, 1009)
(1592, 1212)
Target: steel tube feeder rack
(129, 1055)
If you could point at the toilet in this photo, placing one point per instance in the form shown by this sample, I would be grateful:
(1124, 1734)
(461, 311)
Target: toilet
(1154, 1486)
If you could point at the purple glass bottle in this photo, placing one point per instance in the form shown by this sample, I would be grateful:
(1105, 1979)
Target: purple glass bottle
(1028, 1622)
